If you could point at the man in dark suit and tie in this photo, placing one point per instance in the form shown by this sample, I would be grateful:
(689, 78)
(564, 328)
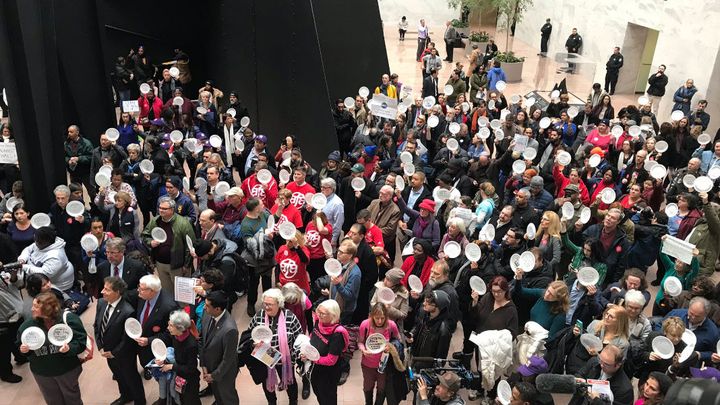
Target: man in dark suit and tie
(430, 84)
(125, 268)
(114, 344)
(153, 311)
(218, 353)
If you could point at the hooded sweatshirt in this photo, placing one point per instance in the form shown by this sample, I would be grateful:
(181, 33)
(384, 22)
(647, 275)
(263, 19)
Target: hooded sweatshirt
(50, 261)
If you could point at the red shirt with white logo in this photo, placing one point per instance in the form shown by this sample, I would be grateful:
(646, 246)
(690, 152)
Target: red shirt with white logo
(251, 187)
(298, 196)
(289, 213)
(292, 269)
(313, 240)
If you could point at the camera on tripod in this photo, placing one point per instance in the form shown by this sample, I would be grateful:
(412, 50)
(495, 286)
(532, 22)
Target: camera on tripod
(431, 374)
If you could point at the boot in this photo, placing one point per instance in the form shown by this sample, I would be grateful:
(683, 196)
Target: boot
(368, 397)
(380, 399)
(305, 387)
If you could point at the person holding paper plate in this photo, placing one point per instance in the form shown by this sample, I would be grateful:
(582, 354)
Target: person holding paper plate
(184, 338)
(424, 224)
(695, 318)
(373, 376)
(317, 231)
(345, 287)
(56, 369)
(615, 252)
(548, 307)
(684, 272)
(649, 361)
(495, 310)
(398, 310)
(285, 328)
(293, 258)
(708, 158)
(206, 116)
(548, 240)
(706, 235)
(573, 178)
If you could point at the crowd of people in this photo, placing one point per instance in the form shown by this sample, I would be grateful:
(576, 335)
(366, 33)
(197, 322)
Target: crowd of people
(532, 230)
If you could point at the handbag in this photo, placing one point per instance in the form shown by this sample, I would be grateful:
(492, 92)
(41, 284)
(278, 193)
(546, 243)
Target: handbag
(87, 354)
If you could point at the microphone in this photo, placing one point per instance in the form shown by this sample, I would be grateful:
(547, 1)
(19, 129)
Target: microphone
(557, 384)
(423, 360)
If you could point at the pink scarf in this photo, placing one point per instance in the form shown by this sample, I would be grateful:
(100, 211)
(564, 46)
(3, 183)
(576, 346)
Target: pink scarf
(287, 367)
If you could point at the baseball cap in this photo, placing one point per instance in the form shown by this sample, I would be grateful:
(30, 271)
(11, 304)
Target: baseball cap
(572, 187)
(358, 168)
(234, 191)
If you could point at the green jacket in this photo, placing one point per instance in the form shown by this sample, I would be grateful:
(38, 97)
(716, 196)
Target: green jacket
(670, 271)
(179, 252)
(47, 361)
(579, 256)
(706, 238)
(84, 154)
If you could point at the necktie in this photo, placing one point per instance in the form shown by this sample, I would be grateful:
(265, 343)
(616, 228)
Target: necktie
(146, 314)
(211, 325)
(105, 320)
(116, 272)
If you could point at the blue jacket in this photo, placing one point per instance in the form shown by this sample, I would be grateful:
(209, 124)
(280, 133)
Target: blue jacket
(707, 159)
(541, 202)
(183, 206)
(348, 289)
(683, 93)
(706, 334)
(495, 75)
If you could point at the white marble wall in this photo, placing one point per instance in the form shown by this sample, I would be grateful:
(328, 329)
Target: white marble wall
(688, 42)
(435, 13)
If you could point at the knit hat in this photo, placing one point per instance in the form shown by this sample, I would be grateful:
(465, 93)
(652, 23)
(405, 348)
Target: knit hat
(334, 155)
(536, 365)
(428, 205)
(357, 168)
(450, 380)
(158, 122)
(597, 151)
(537, 181)
(707, 373)
(605, 121)
(202, 247)
(395, 275)
(370, 150)
(573, 188)
(442, 299)
(176, 182)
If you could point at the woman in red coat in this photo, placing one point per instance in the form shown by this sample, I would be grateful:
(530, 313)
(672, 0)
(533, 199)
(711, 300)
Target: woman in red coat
(573, 178)
(419, 263)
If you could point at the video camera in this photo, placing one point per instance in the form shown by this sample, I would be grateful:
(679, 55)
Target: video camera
(9, 270)
(431, 374)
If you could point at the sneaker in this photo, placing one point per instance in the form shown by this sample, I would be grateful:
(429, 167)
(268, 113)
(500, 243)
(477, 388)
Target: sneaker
(11, 378)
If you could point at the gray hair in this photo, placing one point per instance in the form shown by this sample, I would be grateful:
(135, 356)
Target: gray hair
(152, 282)
(387, 188)
(702, 300)
(62, 189)
(329, 182)
(615, 211)
(292, 293)
(133, 147)
(636, 297)
(115, 243)
(525, 192)
(458, 222)
(167, 199)
(180, 320)
(332, 307)
(276, 294)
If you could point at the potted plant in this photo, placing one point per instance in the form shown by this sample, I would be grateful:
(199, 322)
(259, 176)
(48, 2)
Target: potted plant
(480, 39)
(460, 26)
(512, 65)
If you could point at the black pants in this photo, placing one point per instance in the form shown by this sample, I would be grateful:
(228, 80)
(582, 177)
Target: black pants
(402, 34)
(422, 42)
(324, 381)
(543, 44)
(252, 293)
(128, 379)
(610, 82)
(8, 335)
(449, 50)
(292, 392)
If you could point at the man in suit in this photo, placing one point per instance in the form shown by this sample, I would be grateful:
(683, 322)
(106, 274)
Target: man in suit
(125, 268)
(545, 32)
(430, 84)
(153, 311)
(608, 365)
(449, 37)
(114, 344)
(415, 194)
(218, 353)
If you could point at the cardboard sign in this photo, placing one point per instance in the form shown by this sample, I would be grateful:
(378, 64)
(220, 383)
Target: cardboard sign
(131, 106)
(8, 153)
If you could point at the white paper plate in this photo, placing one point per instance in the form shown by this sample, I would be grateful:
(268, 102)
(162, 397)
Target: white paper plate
(514, 99)
(327, 246)
(634, 131)
(671, 210)
(677, 115)
(358, 184)
(408, 169)
(527, 261)
(441, 194)
(500, 85)
(448, 89)
(159, 350)
(563, 158)
(287, 230)
(495, 124)
(483, 122)
(588, 276)
(102, 180)
(591, 342)
(310, 352)
(663, 347)
(568, 210)
(202, 110)
(649, 164)
(221, 188)
(40, 220)
(428, 102)
(261, 333)
(158, 235)
(189, 244)
(545, 122)
(75, 208)
(452, 249)
(572, 112)
(594, 160)
(714, 173)
(643, 100)
(147, 166)
(452, 143)
(406, 157)
(555, 94)
(318, 201)
(174, 72)
(704, 139)
(672, 286)
(490, 104)
(661, 146)
(144, 88)
(473, 252)
(515, 262)
(300, 341)
(484, 133)
(284, 176)
(465, 106)
(33, 337)
(530, 231)
(433, 121)
(454, 128)
(658, 171)
(399, 183)
(176, 136)
(607, 196)
(200, 185)
(215, 141)
(703, 184)
(529, 153)
(688, 180)
(376, 342)
(89, 243)
(333, 267)
(60, 334)
(616, 131)
(415, 283)
(264, 176)
(133, 328)
(489, 231)
(112, 134)
(478, 285)
(518, 166)
(504, 392)
(585, 214)
(191, 144)
(12, 202)
(349, 102)
(530, 102)
(385, 295)
(245, 122)
(178, 101)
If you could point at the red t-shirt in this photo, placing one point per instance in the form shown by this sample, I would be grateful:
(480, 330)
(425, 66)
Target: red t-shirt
(298, 197)
(251, 187)
(289, 213)
(313, 240)
(374, 237)
(292, 269)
